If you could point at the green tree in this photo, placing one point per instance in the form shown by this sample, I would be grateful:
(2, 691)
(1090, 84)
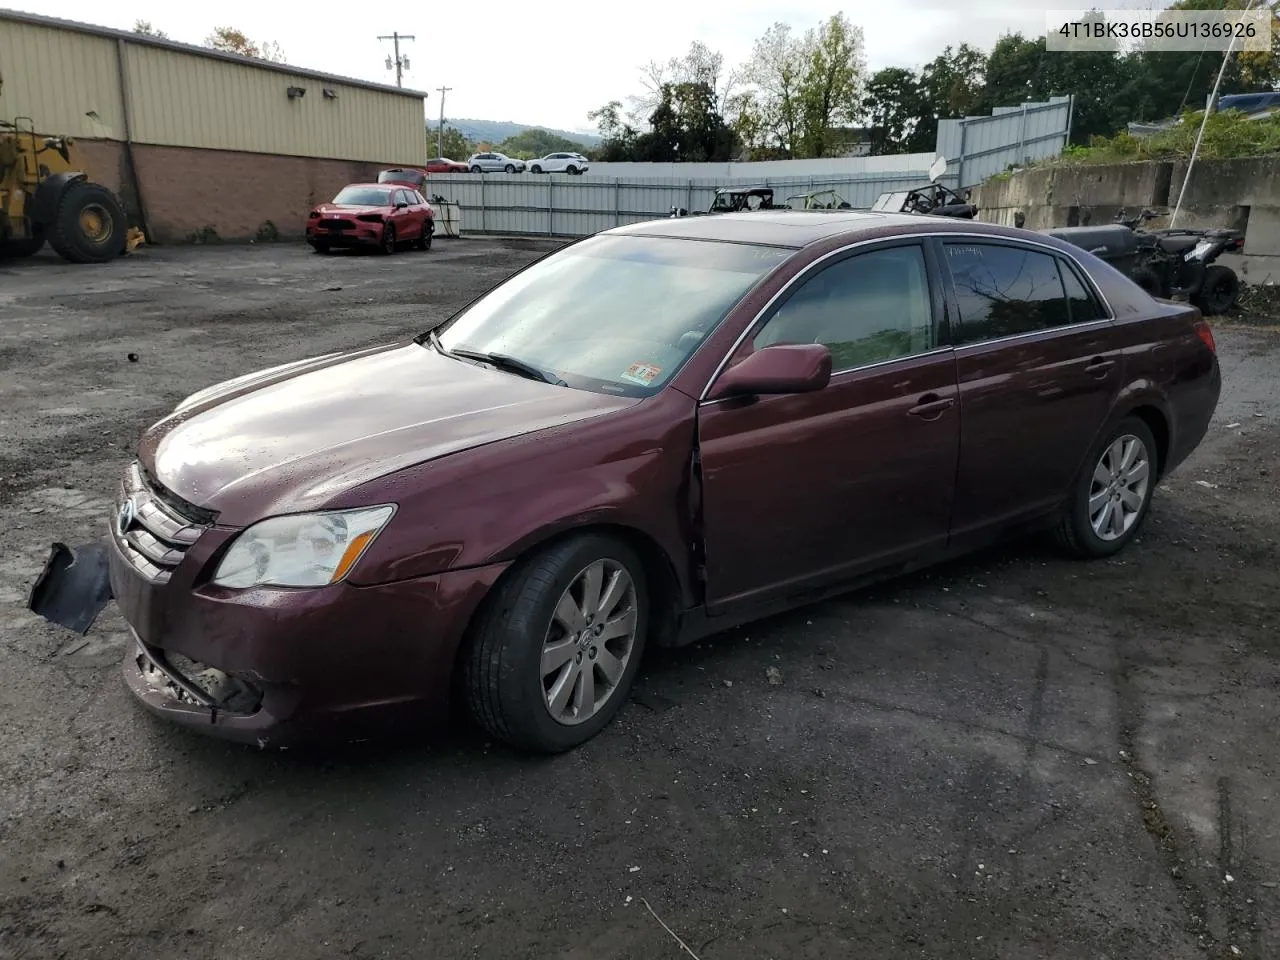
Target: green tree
(528, 144)
(830, 86)
(891, 108)
(951, 87)
(456, 146)
(144, 27)
(687, 126)
(1160, 84)
(231, 40)
(777, 71)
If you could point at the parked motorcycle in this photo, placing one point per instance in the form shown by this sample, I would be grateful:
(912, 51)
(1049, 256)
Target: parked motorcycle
(1166, 263)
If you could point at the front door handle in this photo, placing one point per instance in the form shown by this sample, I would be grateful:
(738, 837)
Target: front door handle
(931, 406)
(1099, 367)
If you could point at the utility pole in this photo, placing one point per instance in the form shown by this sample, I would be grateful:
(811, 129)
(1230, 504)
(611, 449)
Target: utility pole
(401, 63)
(440, 129)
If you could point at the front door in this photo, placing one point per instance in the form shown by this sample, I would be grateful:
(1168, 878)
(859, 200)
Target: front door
(1039, 372)
(804, 488)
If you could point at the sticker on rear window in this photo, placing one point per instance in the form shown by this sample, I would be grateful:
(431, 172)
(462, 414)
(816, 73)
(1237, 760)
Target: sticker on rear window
(642, 373)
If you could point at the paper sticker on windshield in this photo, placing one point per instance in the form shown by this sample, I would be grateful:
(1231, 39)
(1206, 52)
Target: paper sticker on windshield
(642, 373)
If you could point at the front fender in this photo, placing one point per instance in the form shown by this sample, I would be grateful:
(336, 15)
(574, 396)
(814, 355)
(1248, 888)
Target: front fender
(44, 207)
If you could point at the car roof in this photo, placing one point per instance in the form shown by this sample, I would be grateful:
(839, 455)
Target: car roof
(799, 228)
(377, 186)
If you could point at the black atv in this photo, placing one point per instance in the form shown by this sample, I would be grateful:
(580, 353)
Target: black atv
(1165, 263)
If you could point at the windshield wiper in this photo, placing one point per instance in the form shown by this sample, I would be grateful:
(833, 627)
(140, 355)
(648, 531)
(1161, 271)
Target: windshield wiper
(504, 362)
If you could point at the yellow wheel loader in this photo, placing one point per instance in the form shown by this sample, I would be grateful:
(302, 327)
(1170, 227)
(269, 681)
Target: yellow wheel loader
(45, 195)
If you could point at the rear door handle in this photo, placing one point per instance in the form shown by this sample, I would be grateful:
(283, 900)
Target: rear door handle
(1099, 367)
(931, 406)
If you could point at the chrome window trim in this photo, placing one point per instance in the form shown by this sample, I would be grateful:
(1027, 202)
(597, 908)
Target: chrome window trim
(920, 238)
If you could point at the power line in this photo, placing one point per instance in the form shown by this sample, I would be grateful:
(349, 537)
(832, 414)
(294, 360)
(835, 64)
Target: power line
(401, 63)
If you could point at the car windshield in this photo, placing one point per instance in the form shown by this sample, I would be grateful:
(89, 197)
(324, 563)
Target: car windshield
(363, 197)
(615, 314)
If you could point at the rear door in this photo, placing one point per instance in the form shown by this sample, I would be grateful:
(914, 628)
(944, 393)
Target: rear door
(1039, 372)
(813, 487)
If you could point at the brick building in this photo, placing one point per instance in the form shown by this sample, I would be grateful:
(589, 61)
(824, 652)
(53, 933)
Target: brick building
(192, 138)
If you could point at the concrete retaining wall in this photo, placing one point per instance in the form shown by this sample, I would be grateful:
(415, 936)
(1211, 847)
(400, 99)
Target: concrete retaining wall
(1243, 194)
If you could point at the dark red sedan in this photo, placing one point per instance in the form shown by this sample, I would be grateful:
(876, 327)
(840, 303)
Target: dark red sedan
(445, 165)
(381, 215)
(646, 437)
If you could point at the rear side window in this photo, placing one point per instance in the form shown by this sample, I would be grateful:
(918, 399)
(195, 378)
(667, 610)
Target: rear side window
(1084, 306)
(1004, 291)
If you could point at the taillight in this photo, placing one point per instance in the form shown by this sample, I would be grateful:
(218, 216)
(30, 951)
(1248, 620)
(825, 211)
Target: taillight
(1205, 332)
(1239, 244)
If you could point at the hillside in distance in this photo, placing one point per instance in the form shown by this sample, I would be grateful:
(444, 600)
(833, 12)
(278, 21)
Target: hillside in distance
(496, 131)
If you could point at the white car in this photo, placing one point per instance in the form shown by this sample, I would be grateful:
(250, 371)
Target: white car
(559, 163)
(494, 163)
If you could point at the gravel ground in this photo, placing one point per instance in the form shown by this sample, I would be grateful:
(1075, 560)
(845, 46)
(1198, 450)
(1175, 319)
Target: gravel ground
(1010, 756)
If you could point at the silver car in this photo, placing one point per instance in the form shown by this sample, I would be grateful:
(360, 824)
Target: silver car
(494, 163)
(559, 163)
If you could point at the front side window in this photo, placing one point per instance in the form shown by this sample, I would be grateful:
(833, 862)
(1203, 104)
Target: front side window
(1004, 291)
(869, 308)
(615, 314)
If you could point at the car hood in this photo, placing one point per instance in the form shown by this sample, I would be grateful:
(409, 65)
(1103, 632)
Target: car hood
(293, 437)
(351, 210)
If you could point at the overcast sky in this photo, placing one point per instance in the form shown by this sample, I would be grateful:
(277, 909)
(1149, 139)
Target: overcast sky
(547, 63)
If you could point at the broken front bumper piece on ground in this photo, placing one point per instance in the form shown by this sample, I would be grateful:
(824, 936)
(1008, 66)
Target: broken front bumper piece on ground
(74, 586)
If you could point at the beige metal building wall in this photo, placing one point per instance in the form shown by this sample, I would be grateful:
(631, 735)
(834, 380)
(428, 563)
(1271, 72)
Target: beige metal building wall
(60, 79)
(182, 100)
(67, 77)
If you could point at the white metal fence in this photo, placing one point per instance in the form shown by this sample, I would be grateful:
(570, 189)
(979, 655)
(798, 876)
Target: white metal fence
(614, 194)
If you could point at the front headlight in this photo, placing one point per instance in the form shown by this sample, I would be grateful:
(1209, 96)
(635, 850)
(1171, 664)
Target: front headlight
(301, 550)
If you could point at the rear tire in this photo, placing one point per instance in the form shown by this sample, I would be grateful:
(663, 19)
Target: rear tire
(424, 242)
(89, 225)
(506, 668)
(1112, 496)
(1148, 280)
(1218, 290)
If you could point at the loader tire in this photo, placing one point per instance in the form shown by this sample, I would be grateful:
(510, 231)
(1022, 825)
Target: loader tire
(89, 226)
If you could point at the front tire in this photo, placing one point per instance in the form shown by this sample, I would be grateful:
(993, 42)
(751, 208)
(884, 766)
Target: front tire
(510, 168)
(388, 245)
(90, 224)
(1218, 290)
(476, 169)
(535, 169)
(558, 644)
(1112, 496)
(571, 170)
(320, 247)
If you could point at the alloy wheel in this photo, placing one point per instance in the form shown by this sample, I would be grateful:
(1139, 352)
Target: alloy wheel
(1120, 486)
(589, 642)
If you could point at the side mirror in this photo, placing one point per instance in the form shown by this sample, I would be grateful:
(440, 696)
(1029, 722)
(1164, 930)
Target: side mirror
(401, 205)
(784, 368)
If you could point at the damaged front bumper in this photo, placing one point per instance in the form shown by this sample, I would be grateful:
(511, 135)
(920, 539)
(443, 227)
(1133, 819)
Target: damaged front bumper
(200, 697)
